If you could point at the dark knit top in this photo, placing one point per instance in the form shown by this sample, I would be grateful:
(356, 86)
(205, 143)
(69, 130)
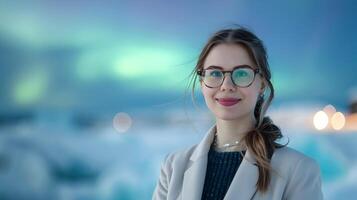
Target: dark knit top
(221, 168)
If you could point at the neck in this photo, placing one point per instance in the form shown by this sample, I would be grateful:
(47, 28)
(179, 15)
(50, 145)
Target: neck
(233, 130)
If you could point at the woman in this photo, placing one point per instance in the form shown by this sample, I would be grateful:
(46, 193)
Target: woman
(239, 157)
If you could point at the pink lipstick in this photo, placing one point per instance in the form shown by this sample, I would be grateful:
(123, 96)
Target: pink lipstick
(228, 101)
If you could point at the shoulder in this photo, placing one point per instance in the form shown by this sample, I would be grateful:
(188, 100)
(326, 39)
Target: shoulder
(180, 156)
(290, 161)
(287, 155)
(175, 163)
(300, 173)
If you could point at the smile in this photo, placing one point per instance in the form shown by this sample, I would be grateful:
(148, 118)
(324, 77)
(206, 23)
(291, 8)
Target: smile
(227, 101)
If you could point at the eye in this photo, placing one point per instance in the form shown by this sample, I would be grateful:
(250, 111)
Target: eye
(241, 73)
(215, 73)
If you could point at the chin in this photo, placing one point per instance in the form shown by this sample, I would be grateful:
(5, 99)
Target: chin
(230, 115)
(227, 117)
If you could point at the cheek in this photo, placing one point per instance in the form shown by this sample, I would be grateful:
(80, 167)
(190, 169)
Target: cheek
(251, 96)
(255, 88)
(207, 94)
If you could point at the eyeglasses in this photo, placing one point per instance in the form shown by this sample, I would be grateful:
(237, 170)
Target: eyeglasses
(241, 76)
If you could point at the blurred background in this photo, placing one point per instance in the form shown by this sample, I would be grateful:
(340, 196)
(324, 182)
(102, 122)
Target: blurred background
(93, 94)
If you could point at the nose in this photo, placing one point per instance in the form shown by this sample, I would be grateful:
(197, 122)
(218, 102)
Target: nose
(227, 83)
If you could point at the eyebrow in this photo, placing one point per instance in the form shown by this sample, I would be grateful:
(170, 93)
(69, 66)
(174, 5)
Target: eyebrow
(218, 67)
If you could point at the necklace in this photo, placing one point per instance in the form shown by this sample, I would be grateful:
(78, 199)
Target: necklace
(225, 146)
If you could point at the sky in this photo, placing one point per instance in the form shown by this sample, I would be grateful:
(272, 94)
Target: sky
(124, 55)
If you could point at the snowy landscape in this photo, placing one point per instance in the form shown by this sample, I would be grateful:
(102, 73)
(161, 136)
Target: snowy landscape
(39, 162)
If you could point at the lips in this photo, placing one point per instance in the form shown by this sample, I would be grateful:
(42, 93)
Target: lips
(228, 101)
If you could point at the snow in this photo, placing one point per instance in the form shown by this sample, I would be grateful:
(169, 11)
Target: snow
(102, 164)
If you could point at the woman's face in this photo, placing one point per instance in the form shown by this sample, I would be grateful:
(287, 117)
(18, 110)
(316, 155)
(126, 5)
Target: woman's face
(228, 56)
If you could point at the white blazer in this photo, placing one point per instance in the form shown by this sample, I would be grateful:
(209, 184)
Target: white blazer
(183, 173)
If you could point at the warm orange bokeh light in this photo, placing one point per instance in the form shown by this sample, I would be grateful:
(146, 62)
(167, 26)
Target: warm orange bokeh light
(338, 121)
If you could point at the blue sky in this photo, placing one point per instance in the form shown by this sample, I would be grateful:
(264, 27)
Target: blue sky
(113, 55)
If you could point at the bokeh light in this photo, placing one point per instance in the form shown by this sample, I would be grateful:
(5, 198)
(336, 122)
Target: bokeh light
(122, 122)
(320, 120)
(338, 121)
(329, 110)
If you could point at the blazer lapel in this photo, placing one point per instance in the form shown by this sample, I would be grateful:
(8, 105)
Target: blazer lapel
(193, 181)
(243, 185)
(194, 176)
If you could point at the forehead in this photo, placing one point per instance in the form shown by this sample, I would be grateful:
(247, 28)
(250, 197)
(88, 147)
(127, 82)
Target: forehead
(228, 56)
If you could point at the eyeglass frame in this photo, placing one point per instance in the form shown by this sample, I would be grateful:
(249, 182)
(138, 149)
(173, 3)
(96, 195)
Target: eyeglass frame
(201, 73)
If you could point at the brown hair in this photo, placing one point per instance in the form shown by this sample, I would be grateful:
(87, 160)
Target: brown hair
(261, 141)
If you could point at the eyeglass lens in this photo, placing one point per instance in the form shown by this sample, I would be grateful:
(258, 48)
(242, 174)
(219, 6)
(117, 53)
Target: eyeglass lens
(241, 77)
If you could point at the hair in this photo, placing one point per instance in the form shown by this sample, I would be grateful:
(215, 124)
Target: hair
(261, 141)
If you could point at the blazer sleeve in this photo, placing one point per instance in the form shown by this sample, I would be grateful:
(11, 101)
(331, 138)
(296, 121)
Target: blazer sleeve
(160, 192)
(305, 181)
